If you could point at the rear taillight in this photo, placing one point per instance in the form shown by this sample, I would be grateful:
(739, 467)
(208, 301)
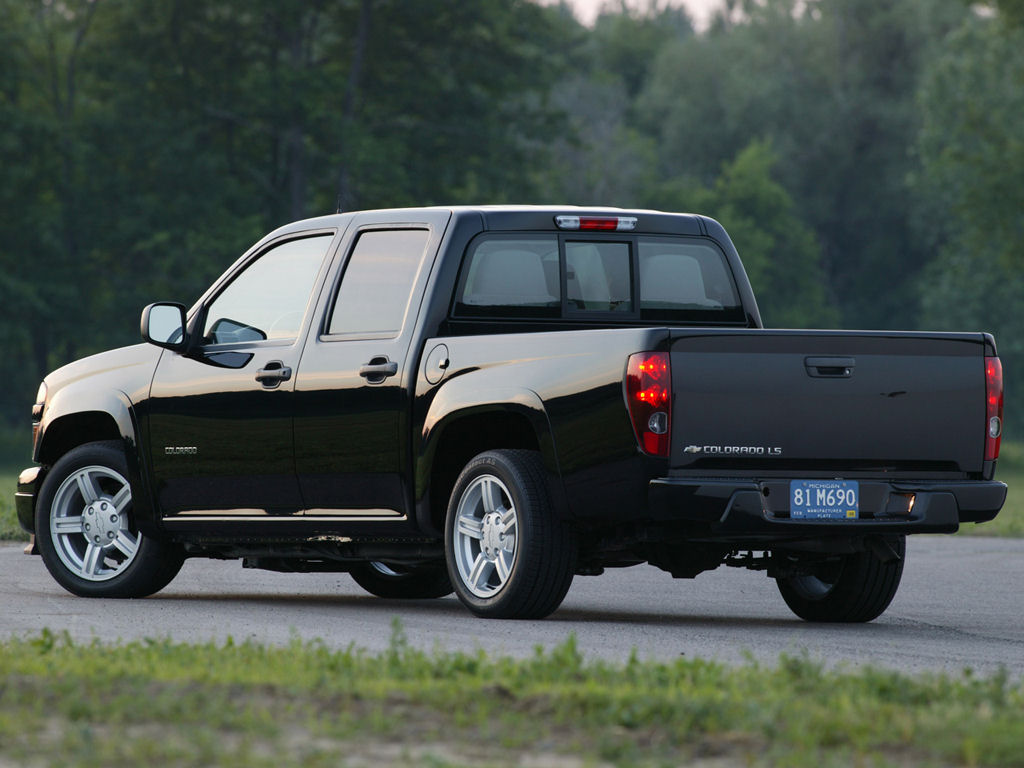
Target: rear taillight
(993, 407)
(649, 395)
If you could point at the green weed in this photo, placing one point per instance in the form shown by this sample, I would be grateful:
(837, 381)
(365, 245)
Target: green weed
(1010, 520)
(229, 704)
(10, 530)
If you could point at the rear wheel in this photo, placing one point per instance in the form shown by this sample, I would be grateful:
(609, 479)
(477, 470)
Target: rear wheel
(401, 581)
(86, 533)
(509, 556)
(850, 588)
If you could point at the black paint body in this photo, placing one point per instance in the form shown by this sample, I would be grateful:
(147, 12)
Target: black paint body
(333, 464)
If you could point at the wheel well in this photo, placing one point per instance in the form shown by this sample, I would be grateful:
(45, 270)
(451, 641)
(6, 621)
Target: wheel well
(463, 440)
(76, 429)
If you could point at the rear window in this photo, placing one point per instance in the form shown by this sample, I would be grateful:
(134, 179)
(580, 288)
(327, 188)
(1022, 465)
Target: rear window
(598, 276)
(640, 278)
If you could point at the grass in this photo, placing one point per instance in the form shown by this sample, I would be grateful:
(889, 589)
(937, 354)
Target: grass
(1010, 520)
(161, 703)
(158, 702)
(9, 528)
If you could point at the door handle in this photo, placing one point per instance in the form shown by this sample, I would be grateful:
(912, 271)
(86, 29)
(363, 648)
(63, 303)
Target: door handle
(273, 374)
(378, 369)
(830, 367)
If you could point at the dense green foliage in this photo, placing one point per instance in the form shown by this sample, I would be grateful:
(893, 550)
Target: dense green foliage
(159, 702)
(865, 154)
(971, 146)
(9, 528)
(1010, 521)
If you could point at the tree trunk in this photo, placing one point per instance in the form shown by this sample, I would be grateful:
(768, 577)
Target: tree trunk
(346, 194)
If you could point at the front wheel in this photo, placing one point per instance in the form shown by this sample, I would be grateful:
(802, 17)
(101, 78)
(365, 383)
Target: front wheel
(402, 582)
(85, 530)
(509, 555)
(848, 588)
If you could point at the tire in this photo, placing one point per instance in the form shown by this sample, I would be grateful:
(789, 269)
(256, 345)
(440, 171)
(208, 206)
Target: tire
(509, 556)
(854, 588)
(85, 532)
(403, 582)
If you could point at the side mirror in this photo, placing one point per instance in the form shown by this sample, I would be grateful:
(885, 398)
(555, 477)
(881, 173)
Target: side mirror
(163, 324)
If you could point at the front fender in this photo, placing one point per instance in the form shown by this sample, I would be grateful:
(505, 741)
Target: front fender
(80, 414)
(95, 399)
(107, 383)
(73, 419)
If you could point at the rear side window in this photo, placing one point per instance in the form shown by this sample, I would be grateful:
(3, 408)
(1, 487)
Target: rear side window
(680, 278)
(376, 288)
(511, 277)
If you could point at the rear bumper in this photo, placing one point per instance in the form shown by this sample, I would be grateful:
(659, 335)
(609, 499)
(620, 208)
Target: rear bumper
(759, 510)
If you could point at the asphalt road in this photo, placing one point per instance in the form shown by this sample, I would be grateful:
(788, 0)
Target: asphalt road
(961, 605)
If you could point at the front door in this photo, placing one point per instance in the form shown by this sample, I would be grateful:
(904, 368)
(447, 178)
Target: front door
(220, 418)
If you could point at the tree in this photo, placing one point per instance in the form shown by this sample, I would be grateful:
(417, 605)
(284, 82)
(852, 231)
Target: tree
(970, 202)
(603, 157)
(971, 143)
(832, 84)
(780, 254)
(145, 146)
(41, 106)
(1011, 12)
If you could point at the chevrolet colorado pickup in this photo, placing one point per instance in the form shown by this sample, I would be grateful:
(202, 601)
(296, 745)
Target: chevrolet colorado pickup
(492, 400)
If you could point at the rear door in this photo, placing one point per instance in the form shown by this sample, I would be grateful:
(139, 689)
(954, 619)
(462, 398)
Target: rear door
(821, 402)
(353, 392)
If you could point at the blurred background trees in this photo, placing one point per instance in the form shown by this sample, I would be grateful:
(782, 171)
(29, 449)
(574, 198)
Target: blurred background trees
(867, 156)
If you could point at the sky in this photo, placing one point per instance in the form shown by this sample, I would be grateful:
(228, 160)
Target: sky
(699, 10)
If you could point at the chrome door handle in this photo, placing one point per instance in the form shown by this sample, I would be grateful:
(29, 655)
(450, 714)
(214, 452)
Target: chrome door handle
(378, 369)
(273, 374)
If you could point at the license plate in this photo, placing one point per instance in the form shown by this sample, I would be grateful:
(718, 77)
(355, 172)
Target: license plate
(824, 499)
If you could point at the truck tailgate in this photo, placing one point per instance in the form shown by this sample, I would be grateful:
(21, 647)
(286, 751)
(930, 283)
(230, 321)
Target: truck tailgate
(826, 403)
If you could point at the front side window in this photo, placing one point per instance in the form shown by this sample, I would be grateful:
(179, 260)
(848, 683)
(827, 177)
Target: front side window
(376, 289)
(268, 299)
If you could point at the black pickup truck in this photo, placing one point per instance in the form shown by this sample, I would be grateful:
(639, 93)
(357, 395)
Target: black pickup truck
(492, 400)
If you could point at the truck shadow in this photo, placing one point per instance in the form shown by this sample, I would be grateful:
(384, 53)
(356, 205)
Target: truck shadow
(450, 609)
